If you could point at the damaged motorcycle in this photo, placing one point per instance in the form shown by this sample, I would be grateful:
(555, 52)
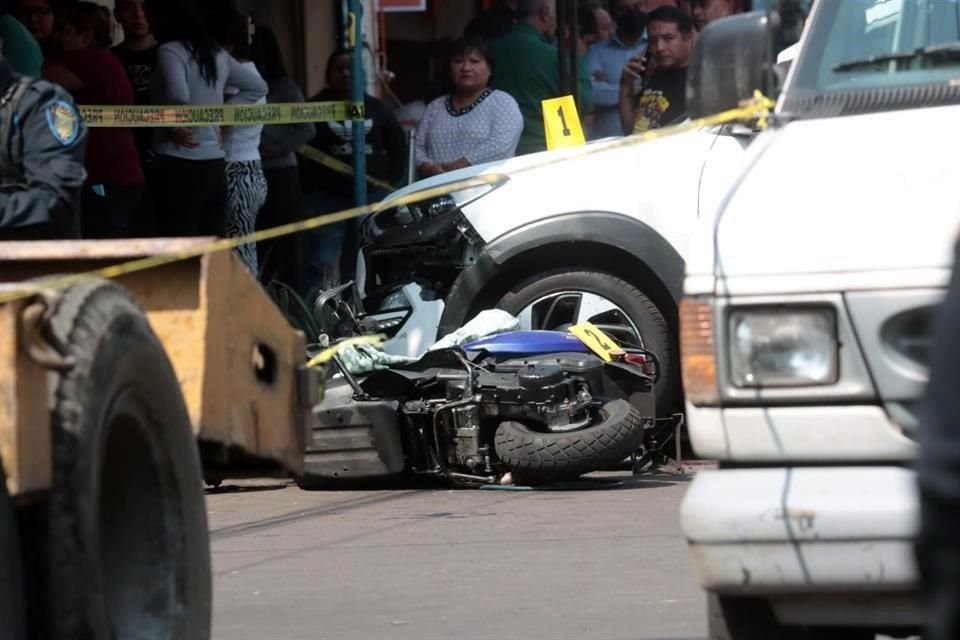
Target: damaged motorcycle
(535, 406)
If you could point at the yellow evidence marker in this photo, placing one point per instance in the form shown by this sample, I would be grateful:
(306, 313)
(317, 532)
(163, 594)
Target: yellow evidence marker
(561, 123)
(597, 341)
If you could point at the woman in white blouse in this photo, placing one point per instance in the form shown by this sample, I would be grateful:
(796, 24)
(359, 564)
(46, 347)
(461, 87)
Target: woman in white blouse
(189, 181)
(472, 125)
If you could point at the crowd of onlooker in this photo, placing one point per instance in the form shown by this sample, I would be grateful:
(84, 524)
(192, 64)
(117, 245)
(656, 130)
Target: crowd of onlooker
(632, 62)
(197, 181)
(632, 65)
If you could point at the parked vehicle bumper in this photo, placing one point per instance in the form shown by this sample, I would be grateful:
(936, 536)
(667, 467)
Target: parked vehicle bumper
(826, 545)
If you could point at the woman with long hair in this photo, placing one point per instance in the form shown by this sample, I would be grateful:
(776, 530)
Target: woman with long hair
(87, 68)
(190, 182)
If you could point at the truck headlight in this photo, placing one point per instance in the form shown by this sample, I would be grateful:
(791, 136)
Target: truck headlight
(783, 347)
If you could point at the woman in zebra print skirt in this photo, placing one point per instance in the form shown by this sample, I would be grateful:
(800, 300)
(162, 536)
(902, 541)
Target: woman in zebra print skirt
(246, 183)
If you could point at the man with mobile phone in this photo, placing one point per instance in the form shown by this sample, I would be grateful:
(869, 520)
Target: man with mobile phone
(663, 70)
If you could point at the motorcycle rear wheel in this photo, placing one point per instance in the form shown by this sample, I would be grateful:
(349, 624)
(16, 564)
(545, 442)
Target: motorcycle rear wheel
(541, 457)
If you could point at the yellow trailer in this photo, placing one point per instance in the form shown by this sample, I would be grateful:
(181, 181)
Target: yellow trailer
(117, 399)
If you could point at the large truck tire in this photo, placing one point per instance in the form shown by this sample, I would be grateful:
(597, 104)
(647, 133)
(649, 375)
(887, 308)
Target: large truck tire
(538, 457)
(747, 618)
(12, 603)
(129, 553)
(650, 321)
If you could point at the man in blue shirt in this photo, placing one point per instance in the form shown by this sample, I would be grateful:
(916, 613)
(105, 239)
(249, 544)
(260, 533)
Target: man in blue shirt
(607, 60)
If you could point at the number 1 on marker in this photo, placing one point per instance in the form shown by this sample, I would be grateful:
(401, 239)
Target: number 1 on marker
(563, 121)
(561, 124)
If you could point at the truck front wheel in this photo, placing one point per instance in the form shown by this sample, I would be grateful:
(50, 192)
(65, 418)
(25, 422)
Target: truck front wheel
(129, 553)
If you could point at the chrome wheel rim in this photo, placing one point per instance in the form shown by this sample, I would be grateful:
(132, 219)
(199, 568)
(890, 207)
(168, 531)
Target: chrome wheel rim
(561, 310)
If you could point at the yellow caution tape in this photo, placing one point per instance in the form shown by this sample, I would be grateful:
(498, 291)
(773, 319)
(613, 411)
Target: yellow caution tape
(328, 354)
(32, 288)
(213, 115)
(102, 116)
(314, 154)
(756, 109)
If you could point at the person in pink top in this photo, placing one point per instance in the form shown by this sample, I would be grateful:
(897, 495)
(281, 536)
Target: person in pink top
(94, 75)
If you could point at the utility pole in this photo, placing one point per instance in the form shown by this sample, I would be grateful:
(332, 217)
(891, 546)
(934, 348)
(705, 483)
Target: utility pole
(357, 95)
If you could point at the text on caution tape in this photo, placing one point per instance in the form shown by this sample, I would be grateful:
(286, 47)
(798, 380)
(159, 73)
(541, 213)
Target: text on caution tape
(213, 115)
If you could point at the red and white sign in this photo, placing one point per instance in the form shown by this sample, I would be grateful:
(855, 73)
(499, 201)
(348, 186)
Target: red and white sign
(392, 6)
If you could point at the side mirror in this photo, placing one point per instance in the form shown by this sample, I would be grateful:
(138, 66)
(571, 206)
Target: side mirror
(733, 58)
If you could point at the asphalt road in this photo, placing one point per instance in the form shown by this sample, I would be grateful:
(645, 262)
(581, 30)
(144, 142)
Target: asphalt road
(597, 561)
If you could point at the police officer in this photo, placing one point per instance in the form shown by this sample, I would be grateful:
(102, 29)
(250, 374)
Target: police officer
(42, 144)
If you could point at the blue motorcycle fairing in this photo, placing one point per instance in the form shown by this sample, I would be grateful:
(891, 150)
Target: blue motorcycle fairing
(528, 343)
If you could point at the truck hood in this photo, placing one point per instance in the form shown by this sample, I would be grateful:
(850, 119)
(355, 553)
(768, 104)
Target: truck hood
(848, 195)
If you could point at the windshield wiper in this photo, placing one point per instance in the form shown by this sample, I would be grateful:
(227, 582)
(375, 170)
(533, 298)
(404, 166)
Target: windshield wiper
(948, 50)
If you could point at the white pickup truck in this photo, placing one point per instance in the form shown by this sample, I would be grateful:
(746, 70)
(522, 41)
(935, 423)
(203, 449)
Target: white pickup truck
(806, 322)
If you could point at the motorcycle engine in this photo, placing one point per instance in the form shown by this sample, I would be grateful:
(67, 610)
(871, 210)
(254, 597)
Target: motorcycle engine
(464, 446)
(548, 392)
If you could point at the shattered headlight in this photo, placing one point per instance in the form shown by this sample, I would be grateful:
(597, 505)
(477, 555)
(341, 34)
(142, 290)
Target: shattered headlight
(435, 207)
(783, 347)
(432, 208)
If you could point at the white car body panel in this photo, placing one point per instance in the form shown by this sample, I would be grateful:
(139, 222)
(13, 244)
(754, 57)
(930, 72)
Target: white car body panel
(804, 505)
(420, 331)
(768, 434)
(803, 531)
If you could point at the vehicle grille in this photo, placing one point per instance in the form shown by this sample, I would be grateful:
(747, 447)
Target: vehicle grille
(846, 103)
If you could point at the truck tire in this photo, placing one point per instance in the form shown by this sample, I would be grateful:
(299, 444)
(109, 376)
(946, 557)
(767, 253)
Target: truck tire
(12, 603)
(739, 618)
(744, 618)
(538, 457)
(649, 320)
(129, 553)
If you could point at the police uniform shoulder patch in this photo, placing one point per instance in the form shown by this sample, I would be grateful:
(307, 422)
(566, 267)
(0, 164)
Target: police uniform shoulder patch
(63, 119)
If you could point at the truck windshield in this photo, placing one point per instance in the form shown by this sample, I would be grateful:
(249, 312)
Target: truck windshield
(867, 44)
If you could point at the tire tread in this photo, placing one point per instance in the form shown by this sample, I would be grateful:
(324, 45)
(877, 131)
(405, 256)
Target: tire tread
(83, 320)
(551, 457)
